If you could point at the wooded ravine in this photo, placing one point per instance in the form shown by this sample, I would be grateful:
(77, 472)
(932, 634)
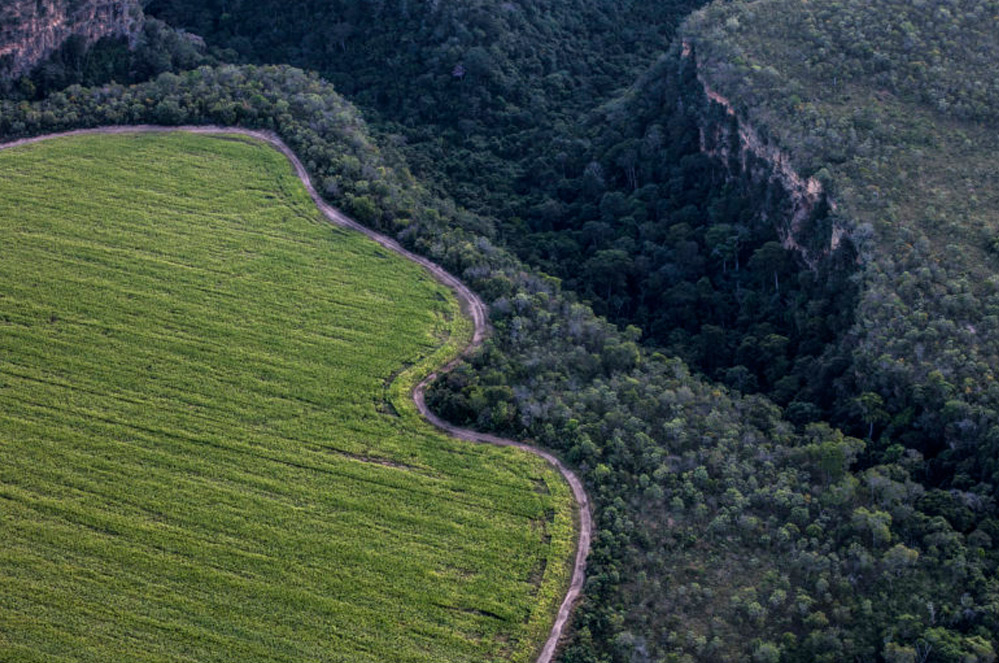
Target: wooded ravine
(740, 260)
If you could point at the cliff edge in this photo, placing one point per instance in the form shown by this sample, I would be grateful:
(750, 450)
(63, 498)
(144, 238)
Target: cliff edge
(799, 206)
(30, 30)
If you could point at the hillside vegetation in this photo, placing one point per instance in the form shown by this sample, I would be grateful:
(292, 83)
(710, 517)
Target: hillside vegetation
(479, 95)
(514, 111)
(207, 451)
(892, 105)
(728, 530)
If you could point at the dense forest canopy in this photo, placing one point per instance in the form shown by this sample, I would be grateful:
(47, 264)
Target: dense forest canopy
(617, 206)
(907, 148)
(476, 92)
(791, 458)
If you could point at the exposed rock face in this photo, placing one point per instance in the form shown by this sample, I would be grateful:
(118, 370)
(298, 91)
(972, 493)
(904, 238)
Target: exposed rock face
(796, 199)
(30, 30)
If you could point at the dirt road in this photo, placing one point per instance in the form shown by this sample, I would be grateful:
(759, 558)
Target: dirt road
(470, 303)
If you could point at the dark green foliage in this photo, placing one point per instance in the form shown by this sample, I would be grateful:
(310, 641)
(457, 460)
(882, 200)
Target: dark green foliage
(725, 531)
(625, 210)
(669, 241)
(891, 105)
(475, 92)
(158, 49)
(632, 217)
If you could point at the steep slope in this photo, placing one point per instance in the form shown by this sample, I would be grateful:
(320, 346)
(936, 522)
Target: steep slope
(890, 110)
(884, 114)
(476, 92)
(30, 30)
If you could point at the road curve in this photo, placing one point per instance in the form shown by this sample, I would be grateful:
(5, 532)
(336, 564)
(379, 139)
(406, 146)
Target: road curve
(471, 303)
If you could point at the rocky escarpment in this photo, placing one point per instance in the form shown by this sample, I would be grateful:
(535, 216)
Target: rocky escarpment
(30, 30)
(799, 206)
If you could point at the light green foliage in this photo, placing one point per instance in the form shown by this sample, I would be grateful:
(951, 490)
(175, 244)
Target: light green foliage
(199, 456)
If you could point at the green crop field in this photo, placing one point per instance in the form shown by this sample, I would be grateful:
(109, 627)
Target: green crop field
(201, 455)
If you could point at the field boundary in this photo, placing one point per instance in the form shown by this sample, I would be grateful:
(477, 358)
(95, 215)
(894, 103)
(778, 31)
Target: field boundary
(470, 303)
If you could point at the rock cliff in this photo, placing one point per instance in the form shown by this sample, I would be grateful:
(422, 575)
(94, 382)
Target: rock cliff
(30, 30)
(799, 206)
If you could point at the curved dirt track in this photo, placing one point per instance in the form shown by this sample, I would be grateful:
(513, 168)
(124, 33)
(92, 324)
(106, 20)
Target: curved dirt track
(470, 303)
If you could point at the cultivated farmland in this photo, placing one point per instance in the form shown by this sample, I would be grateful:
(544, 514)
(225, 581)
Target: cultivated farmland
(201, 456)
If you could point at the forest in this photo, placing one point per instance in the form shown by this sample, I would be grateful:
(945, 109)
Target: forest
(792, 454)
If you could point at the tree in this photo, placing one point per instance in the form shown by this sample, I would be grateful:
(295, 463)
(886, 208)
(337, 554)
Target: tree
(340, 33)
(875, 523)
(871, 409)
